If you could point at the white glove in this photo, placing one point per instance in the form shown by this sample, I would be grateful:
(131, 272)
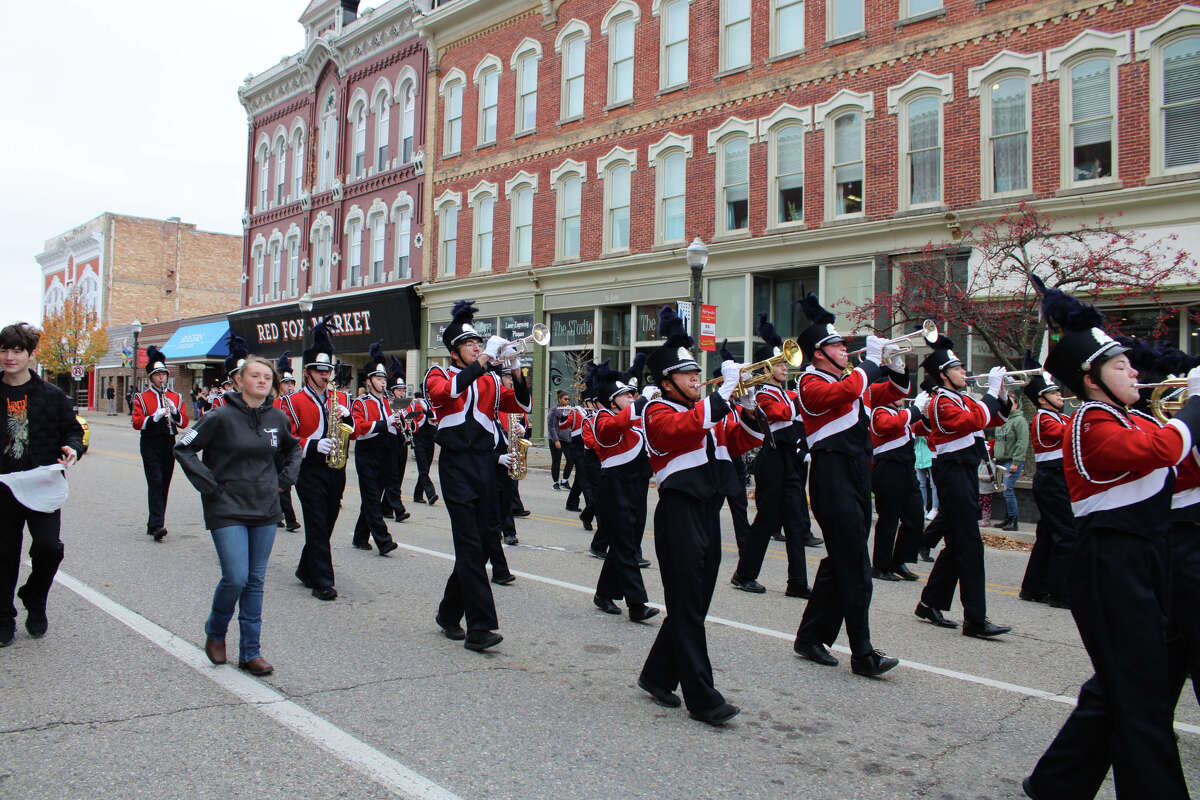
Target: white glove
(748, 401)
(874, 349)
(921, 401)
(391, 426)
(650, 391)
(172, 408)
(325, 446)
(159, 413)
(504, 460)
(895, 359)
(1193, 377)
(731, 373)
(342, 411)
(495, 344)
(996, 381)
(509, 353)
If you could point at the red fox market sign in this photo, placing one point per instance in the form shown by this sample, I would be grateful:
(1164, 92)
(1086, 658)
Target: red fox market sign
(351, 323)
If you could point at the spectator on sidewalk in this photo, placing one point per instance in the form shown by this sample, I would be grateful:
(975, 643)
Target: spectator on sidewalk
(1012, 448)
(559, 438)
(111, 396)
(924, 468)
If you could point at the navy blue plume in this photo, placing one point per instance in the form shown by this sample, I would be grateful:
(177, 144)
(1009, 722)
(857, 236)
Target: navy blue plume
(1143, 355)
(1173, 361)
(724, 352)
(635, 369)
(1030, 362)
(153, 354)
(670, 327)
(321, 336)
(342, 374)
(284, 362)
(237, 346)
(464, 311)
(943, 343)
(817, 314)
(396, 367)
(604, 373)
(589, 374)
(1063, 311)
(376, 351)
(766, 331)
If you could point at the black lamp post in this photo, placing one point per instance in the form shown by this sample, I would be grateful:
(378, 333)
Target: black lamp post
(136, 327)
(697, 258)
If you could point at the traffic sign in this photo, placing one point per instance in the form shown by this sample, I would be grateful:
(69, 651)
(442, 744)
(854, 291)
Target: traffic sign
(77, 372)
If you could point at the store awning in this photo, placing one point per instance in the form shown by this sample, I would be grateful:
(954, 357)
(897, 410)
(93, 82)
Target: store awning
(193, 342)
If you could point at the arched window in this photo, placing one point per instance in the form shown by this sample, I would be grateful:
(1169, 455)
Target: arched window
(257, 255)
(292, 246)
(328, 142)
(673, 42)
(620, 25)
(383, 123)
(274, 281)
(402, 215)
(844, 117)
(264, 175)
(378, 230)
(616, 170)
(354, 237)
(525, 63)
(567, 180)
(487, 81)
(408, 116)
(520, 190)
(359, 117)
(1003, 87)
(787, 27)
(447, 206)
(321, 236)
(572, 44)
(669, 157)
(482, 200)
(297, 162)
(735, 34)
(452, 96)
(280, 169)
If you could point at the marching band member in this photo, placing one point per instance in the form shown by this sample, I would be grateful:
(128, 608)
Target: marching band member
(1119, 470)
(466, 398)
(777, 477)
(798, 502)
(375, 434)
(158, 413)
(833, 405)
(1046, 573)
(733, 486)
(506, 485)
(897, 495)
(615, 436)
(287, 386)
(587, 468)
(955, 425)
(393, 496)
(319, 486)
(233, 367)
(687, 437)
(424, 432)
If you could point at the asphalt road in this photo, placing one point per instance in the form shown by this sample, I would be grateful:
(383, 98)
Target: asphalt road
(369, 700)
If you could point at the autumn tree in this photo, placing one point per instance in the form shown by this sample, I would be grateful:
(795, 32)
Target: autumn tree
(71, 336)
(994, 299)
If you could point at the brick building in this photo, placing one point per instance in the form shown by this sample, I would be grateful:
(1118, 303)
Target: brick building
(577, 147)
(128, 268)
(334, 184)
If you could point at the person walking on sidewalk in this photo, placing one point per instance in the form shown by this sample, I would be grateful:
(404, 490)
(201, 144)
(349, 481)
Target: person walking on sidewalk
(1012, 448)
(240, 480)
(558, 436)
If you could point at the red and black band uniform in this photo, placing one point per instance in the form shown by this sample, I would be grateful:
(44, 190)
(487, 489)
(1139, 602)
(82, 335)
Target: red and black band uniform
(157, 445)
(1046, 572)
(1120, 472)
(375, 465)
(424, 432)
(393, 496)
(798, 512)
(517, 504)
(587, 473)
(619, 443)
(690, 450)
(954, 430)
(836, 415)
(505, 488)
(779, 477)
(319, 486)
(467, 403)
(1184, 541)
(901, 515)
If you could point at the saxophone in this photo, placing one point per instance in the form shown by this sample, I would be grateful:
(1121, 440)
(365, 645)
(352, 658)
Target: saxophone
(518, 448)
(340, 433)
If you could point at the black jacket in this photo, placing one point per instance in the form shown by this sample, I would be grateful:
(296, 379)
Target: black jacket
(237, 478)
(52, 423)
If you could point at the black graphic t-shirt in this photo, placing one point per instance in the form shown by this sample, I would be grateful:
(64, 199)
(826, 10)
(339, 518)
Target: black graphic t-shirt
(14, 456)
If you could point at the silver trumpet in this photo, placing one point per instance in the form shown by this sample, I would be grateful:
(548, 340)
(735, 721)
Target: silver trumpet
(519, 348)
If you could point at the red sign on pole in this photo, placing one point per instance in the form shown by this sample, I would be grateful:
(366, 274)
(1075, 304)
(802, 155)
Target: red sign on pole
(708, 328)
(141, 358)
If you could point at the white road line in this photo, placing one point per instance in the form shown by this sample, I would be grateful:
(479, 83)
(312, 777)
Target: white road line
(966, 677)
(381, 768)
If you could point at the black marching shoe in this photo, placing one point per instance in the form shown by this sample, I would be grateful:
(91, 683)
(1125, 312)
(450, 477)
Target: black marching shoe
(159, 534)
(905, 573)
(873, 664)
(293, 527)
(1011, 524)
(279, 524)
(9, 630)
(387, 547)
(984, 630)
(574, 508)
(814, 652)
(754, 587)
(504, 580)
(779, 537)
(641, 613)
(716, 716)
(324, 593)
(1055, 601)
(479, 641)
(884, 575)
(453, 631)
(35, 616)
(597, 554)
(587, 523)
(363, 545)
(803, 592)
(813, 541)
(402, 515)
(524, 512)
(931, 614)
(510, 540)
(660, 695)
(418, 500)
(433, 500)
(605, 604)
(1033, 597)
(924, 556)
(557, 486)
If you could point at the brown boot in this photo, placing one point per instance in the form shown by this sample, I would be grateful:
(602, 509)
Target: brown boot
(215, 650)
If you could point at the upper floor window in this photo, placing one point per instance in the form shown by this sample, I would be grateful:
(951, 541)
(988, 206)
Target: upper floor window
(447, 211)
(787, 26)
(616, 169)
(280, 170)
(293, 265)
(786, 161)
(452, 91)
(402, 213)
(620, 29)
(526, 66)
(487, 77)
(377, 246)
(569, 188)
(408, 118)
(520, 197)
(734, 184)
(671, 185)
(921, 147)
(321, 236)
(673, 54)
(483, 202)
(383, 124)
(1090, 86)
(354, 252)
(328, 143)
(912, 8)
(264, 176)
(297, 163)
(259, 271)
(360, 139)
(1006, 126)
(845, 17)
(276, 269)
(1179, 110)
(735, 34)
(846, 167)
(574, 51)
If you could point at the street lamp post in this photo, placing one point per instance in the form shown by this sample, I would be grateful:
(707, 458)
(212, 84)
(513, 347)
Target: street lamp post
(697, 258)
(136, 327)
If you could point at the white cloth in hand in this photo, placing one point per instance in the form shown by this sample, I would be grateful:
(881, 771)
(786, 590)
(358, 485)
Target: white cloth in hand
(651, 391)
(504, 460)
(494, 346)
(996, 381)
(342, 411)
(731, 372)
(921, 401)
(748, 401)
(325, 446)
(159, 413)
(1193, 378)
(874, 349)
(510, 355)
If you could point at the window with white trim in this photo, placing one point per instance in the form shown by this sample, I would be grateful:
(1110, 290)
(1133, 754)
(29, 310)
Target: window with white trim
(280, 170)
(483, 224)
(671, 183)
(521, 201)
(616, 206)
(735, 34)
(259, 276)
(1088, 86)
(570, 194)
(912, 8)
(620, 58)
(489, 103)
(1178, 106)
(297, 163)
(673, 53)
(408, 116)
(845, 17)
(1006, 134)
(574, 51)
(787, 27)
(448, 246)
(452, 142)
(293, 268)
(844, 140)
(921, 150)
(733, 174)
(403, 242)
(786, 160)
(264, 178)
(322, 274)
(354, 252)
(276, 269)
(328, 143)
(383, 124)
(360, 140)
(527, 76)
(377, 247)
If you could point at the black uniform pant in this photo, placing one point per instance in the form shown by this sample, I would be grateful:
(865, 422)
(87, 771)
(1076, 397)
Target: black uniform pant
(961, 560)
(1046, 572)
(584, 481)
(738, 508)
(898, 504)
(289, 511)
(617, 509)
(374, 462)
(1120, 597)
(687, 540)
(517, 505)
(779, 478)
(320, 490)
(393, 495)
(506, 490)
(559, 455)
(468, 479)
(158, 462)
(1185, 600)
(423, 452)
(841, 493)
(45, 553)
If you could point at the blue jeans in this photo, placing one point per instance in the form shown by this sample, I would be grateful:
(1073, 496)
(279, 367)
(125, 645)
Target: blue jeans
(928, 490)
(1010, 495)
(243, 553)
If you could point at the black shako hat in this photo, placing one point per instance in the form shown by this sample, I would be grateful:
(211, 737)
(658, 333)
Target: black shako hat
(674, 355)
(155, 360)
(378, 362)
(460, 330)
(606, 383)
(942, 358)
(320, 354)
(1083, 346)
(772, 341)
(588, 392)
(820, 330)
(237, 354)
(633, 375)
(725, 355)
(284, 367)
(1036, 385)
(397, 377)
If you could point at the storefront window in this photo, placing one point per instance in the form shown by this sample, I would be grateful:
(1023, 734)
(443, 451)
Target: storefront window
(786, 316)
(848, 287)
(615, 327)
(647, 323)
(566, 373)
(1149, 323)
(486, 326)
(573, 328)
(729, 296)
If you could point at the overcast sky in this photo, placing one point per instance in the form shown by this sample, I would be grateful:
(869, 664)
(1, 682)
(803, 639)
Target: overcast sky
(125, 107)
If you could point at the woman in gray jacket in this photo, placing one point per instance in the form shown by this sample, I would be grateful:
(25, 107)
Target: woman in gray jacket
(239, 484)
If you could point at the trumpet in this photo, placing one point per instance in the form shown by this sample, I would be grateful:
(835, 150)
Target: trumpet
(760, 371)
(904, 344)
(518, 348)
(1013, 377)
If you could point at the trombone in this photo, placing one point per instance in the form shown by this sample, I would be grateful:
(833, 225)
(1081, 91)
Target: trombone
(524, 346)
(1013, 377)
(760, 371)
(904, 344)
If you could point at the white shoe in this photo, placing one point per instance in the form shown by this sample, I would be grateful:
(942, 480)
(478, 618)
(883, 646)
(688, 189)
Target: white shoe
(932, 513)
